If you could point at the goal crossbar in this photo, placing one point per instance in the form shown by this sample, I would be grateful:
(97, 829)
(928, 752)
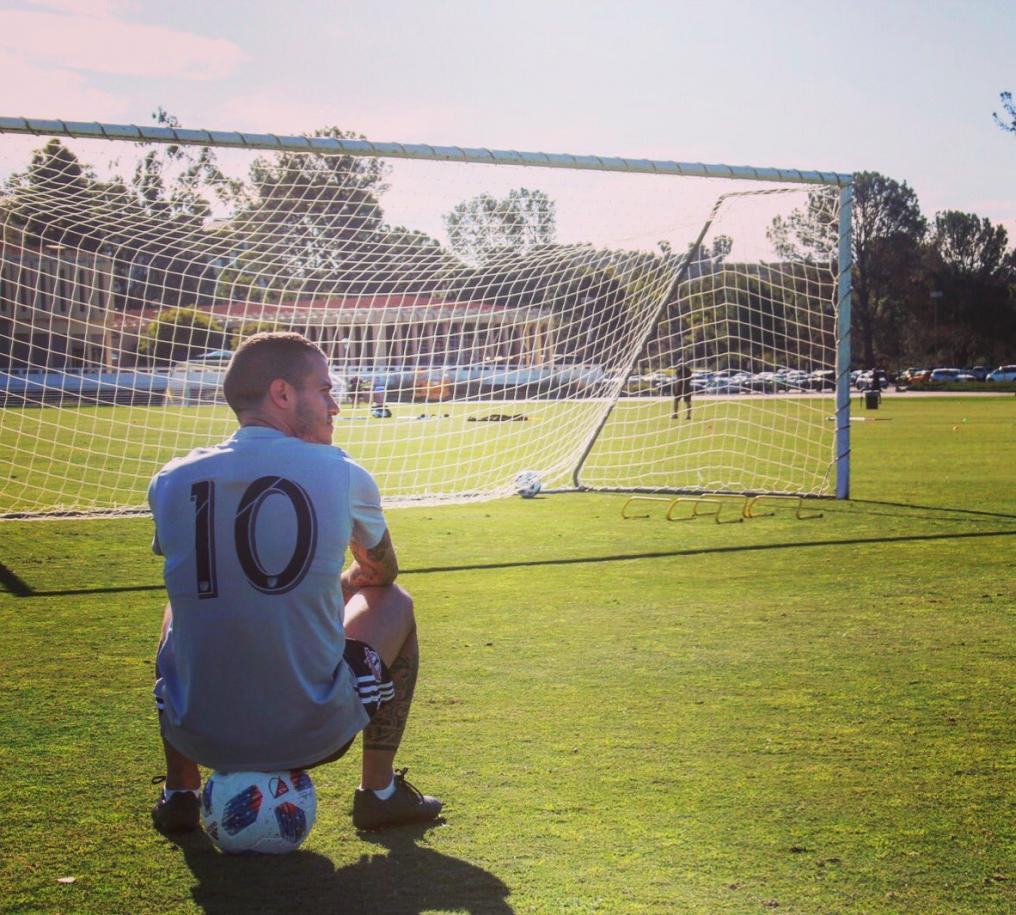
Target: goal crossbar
(334, 146)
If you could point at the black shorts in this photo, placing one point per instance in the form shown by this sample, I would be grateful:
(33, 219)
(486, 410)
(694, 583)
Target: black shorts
(373, 681)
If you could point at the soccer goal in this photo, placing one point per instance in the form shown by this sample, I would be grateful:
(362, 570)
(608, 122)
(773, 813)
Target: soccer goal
(610, 324)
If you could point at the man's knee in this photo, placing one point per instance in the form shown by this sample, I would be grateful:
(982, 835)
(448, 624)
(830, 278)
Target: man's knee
(383, 617)
(391, 598)
(398, 603)
(384, 605)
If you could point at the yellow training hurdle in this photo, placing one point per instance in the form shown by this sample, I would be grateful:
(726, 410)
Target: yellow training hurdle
(712, 507)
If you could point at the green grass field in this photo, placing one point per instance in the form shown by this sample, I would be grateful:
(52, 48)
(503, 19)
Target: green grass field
(623, 716)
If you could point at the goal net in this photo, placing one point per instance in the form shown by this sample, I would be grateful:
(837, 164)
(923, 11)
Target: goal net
(608, 324)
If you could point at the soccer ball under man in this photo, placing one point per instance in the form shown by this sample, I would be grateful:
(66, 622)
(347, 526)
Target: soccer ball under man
(527, 484)
(258, 812)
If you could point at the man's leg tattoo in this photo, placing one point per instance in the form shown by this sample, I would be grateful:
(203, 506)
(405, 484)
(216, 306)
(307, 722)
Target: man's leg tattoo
(385, 729)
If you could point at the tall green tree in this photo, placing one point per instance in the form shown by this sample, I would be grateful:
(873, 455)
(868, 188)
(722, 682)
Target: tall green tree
(162, 208)
(310, 224)
(313, 225)
(973, 247)
(181, 180)
(888, 231)
(810, 233)
(974, 273)
(149, 221)
(409, 262)
(486, 226)
(57, 200)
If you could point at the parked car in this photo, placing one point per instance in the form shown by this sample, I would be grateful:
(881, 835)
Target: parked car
(1003, 373)
(212, 357)
(822, 380)
(980, 372)
(912, 374)
(796, 380)
(737, 383)
(938, 376)
(767, 382)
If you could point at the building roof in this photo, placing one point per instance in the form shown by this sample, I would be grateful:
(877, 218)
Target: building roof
(332, 310)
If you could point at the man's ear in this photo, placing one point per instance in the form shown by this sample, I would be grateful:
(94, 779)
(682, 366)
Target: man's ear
(280, 393)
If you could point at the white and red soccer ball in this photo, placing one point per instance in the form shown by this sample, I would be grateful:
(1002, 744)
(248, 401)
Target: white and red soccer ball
(258, 812)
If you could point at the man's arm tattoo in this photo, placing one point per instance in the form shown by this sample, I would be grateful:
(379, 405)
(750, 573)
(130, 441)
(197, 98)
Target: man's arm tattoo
(376, 565)
(379, 552)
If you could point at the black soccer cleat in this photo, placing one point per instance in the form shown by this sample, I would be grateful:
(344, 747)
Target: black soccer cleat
(179, 813)
(406, 805)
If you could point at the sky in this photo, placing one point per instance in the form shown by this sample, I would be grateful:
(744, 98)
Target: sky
(904, 88)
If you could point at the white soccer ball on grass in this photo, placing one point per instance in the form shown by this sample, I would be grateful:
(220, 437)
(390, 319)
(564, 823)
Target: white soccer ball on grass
(528, 484)
(267, 813)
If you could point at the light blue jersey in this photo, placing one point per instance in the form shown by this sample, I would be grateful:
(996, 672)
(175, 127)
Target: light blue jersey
(254, 533)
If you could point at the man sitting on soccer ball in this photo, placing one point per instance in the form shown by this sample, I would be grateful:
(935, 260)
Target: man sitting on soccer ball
(272, 657)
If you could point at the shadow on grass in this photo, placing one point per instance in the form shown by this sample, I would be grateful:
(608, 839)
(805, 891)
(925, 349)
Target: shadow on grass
(713, 550)
(18, 588)
(911, 511)
(399, 877)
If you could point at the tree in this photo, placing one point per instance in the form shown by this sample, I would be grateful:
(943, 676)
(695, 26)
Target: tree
(145, 222)
(974, 273)
(396, 260)
(485, 227)
(179, 334)
(57, 200)
(887, 232)
(310, 224)
(973, 247)
(1010, 110)
(708, 256)
(179, 180)
(888, 229)
(811, 233)
(159, 210)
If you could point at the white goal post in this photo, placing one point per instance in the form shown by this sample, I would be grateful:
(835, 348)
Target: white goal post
(611, 324)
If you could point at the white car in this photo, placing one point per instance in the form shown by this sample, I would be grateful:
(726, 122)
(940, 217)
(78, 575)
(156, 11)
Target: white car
(770, 382)
(797, 380)
(822, 380)
(938, 375)
(1003, 373)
